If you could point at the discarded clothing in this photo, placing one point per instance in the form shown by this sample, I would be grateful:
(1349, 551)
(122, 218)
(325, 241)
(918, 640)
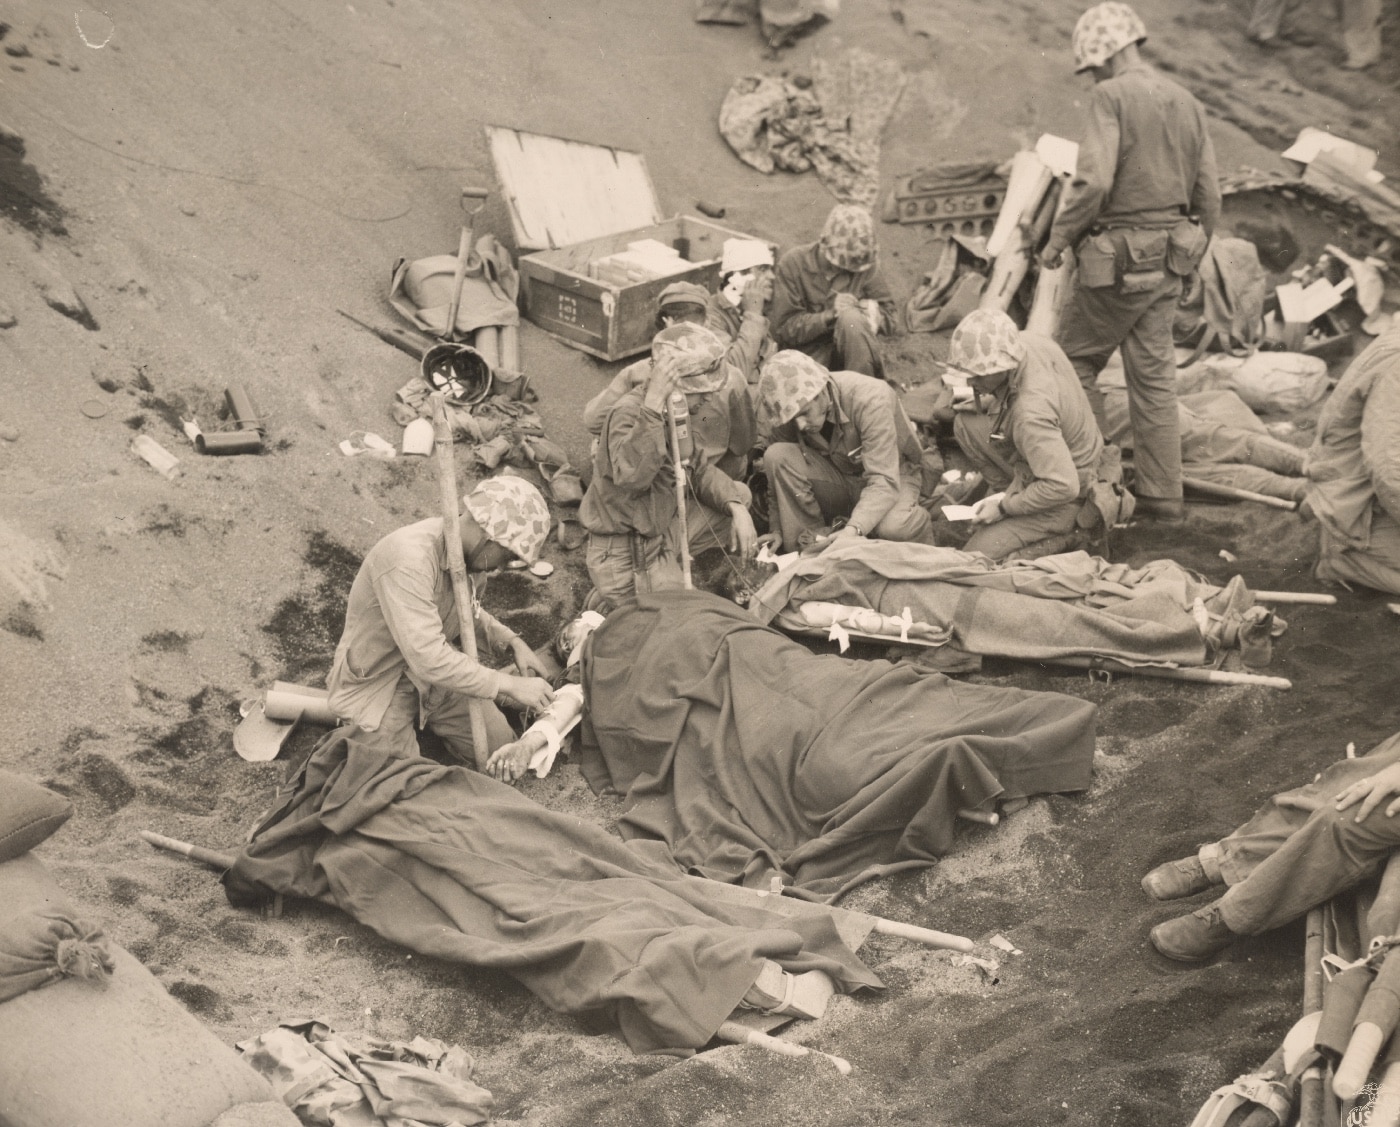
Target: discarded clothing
(422, 290)
(1056, 606)
(335, 1079)
(747, 756)
(833, 126)
(781, 21)
(453, 864)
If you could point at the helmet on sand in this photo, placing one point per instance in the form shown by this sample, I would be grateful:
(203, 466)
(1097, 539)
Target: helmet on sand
(986, 342)
(1102, 32)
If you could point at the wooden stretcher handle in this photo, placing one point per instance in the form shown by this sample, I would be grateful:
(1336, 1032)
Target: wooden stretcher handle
(927, 936)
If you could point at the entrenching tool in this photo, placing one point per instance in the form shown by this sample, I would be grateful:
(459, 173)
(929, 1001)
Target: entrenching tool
(464, 253)
(452, 534)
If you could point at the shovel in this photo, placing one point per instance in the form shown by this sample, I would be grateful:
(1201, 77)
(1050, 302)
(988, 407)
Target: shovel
(464, 254)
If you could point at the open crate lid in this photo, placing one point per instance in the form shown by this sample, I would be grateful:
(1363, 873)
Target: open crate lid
(562, 192)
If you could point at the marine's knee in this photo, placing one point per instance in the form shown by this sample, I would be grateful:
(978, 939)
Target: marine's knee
(784, 461)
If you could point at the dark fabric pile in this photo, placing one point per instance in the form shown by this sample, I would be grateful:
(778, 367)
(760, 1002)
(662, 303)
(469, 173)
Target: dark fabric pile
(748, 756)
(453, 864)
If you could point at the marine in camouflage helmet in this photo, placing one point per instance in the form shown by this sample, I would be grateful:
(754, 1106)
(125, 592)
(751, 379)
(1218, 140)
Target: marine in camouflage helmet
(1102, 32)
(511, 512)
(790, 380)
(698, 353)
(986, 342)
(848, 238)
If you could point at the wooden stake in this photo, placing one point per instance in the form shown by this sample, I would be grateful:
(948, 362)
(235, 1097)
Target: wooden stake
(456, 561)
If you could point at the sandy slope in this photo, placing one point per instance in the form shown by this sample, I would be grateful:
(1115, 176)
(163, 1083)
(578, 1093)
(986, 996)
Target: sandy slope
(222, 179)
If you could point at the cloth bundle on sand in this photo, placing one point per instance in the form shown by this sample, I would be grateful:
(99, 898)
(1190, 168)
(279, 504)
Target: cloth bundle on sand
(1066, 605)
(453, 864)
(782, 21)
(834, 126)
(748, 756)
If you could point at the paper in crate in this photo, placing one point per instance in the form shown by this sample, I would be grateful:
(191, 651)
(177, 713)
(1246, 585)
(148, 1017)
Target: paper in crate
(596, 253)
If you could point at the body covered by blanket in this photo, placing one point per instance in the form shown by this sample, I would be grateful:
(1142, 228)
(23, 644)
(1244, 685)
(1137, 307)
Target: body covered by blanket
(453, 864)
(1071, 604)
(749, 756)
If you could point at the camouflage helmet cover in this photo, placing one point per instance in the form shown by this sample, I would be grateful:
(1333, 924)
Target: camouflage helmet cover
(985, 342)
(698, 353)
(1102, 32)
(848, 238)
(511, 512)
(789, 381)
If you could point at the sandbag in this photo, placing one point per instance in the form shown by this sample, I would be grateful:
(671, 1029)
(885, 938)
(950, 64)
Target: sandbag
(117, 1051)
(29, 813)
(1277, 382)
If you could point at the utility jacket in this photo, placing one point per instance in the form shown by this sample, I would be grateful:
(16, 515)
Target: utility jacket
(868, 435)
(633, 486)
(1146, 160)
(1354, 463)
(1050, 426)
(805, 286)
(401, 618)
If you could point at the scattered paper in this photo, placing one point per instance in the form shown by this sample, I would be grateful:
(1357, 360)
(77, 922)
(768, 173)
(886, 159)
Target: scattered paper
(1394, 607)
(840, 636)
(988, 967)
(1313, 141)
(1061, 156)
(1001, 943)
(959, 512)
(1228, 556)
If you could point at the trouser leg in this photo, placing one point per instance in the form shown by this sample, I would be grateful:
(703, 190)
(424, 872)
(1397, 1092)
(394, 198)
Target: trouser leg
(1149, 365)
(855, 347)
(973, 431)
(397, 733)
(621, 566)
(1218, 442)
(1094, 324)
(1011, 534)
(448, 715)
(705, 527)
(806, 490)
(1361, 32)
(1376, 566)
(907, 521)
(1285, 861)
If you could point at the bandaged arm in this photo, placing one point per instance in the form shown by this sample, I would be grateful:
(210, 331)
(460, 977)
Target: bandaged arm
(546, 735)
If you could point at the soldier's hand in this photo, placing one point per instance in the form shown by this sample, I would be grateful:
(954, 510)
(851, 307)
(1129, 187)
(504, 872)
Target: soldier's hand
(844, 301)
(1052, 258)
(744, 537)
(508, 762)
(660, 384)
(1372, 791)
(529, 694)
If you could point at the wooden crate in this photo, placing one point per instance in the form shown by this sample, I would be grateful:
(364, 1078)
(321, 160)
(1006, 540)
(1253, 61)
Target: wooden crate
(572, 202)
(609, 321)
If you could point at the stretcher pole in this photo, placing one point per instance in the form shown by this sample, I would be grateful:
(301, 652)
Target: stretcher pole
(1230, 492)
(1168, 673)
(456, 560)
(738, 1034)
(214, 859)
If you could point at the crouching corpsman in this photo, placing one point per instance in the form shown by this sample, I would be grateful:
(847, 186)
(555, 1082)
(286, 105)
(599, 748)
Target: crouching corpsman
(841, 449)
(396, 667)
(830, 299)
(1039, 425)
(630, 509)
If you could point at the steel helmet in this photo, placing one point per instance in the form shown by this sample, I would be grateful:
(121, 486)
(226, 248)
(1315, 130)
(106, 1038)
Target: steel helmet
(985, 342)
(848, 238)
(1102, 32)
(698, 354)
(789, 381)
(511, 512)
